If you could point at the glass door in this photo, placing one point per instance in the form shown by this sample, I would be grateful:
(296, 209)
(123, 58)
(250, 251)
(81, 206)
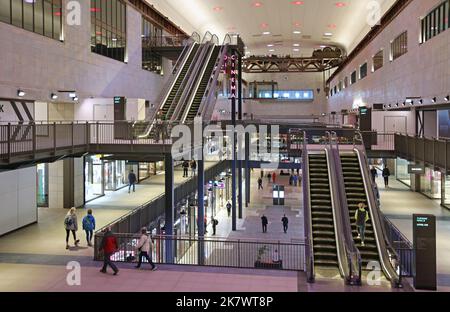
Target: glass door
(42, 185)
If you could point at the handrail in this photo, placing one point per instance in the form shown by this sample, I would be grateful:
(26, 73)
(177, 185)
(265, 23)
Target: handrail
(207, 37)
(383, 243)
(309, 252)
(206, 109)
(352, 253)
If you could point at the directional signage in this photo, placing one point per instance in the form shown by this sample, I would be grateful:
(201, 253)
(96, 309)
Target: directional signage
(424, 237)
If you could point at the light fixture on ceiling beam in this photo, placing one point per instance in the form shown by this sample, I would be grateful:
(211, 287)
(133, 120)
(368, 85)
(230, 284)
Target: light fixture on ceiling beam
(53, 96)
(433, 100)
(447, 98)
(21, 93)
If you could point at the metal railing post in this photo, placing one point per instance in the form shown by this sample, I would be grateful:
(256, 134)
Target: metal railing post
(97, 133)
(87, 135)
(54, 138)
(9, 142)
(73, 127)
(34, 139)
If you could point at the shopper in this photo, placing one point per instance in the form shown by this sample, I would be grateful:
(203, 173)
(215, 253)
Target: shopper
(269, 178)
(89, 226)
(260, 184)
(264, 223)
(144, 247)
(386, 174)
(291, 180)
(193, 167)
(71, 225)
(374, 173)
(214, 223)
(109, 246)
(295, 180)
(285, 222)
(131, 181)
(274, 177)
(229, 209)
(361, 217)
(185, 169)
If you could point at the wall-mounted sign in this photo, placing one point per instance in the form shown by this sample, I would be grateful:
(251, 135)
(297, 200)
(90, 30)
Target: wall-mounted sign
(424, 241)
(233, 76)
(416, 169)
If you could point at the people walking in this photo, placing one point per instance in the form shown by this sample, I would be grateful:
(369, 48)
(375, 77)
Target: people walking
(374, 173)
(269, 177)
(386, 174)
(214, 223)
(185, 166)
(229, 209)
(260, 184)
(291, 180)
(89, 226)
(361, 217)
(274, 178)
(71, 225)
(109, 246)
(131, 181)
(144, 247)
(285, 222)
(264, 223)
(295, 180)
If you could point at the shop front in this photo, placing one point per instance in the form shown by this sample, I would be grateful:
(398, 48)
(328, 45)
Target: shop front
(431, 184)
(42, 185)
(94, 180)
(401, 171)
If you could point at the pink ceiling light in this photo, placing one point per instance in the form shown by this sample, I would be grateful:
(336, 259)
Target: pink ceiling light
(298, 2)
(340, 4)
(257, 4)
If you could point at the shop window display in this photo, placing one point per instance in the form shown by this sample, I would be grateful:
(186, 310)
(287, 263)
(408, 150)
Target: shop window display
(402, 174)
(430, 183)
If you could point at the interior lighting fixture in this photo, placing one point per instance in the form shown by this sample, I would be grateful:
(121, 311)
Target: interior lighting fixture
(21, 93)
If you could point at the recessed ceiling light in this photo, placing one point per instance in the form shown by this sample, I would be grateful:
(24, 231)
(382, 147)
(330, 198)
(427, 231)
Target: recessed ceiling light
(296, 50)
(332, 26)
(296, 32)
(328, 34)
(53, 96)
(297, 24)
(266, 33)
(298, 2)
(323, 46)
(340, 4)
(20, 93)
(264, 25)
(270, 45)
(217, 9)
(271, 50)
(257, 4)
(296, 44)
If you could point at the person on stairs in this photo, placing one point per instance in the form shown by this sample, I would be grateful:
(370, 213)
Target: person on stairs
(361, 217)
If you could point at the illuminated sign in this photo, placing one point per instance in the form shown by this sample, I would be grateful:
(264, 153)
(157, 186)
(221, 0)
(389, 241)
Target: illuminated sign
(233, 76)
(416, 169)
(424, 242)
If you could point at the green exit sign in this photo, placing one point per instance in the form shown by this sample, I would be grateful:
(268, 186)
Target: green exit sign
(119, 99)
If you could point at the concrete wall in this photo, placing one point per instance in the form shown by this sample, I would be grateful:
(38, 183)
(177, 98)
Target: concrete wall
(423, 72)
(18, 199)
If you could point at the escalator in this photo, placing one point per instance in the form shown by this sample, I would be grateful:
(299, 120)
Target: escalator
(167, 109)
(355, 190)
(193, 108)
(322, 222)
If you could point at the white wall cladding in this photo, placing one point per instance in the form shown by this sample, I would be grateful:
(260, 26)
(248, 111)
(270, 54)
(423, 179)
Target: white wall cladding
(40, 65)
(423, 72)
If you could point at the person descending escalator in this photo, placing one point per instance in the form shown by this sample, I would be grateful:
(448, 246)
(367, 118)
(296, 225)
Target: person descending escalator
(361, 217)
(374, 173)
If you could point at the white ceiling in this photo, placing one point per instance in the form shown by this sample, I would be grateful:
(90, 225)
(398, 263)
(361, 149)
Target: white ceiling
(313, 18)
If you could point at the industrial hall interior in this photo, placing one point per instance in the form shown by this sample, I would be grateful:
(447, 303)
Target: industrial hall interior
(261, 146)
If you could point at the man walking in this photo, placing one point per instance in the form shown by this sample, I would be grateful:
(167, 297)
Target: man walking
(374, 173)
(264, 223)
(229, 209)
(131, 181)
(145, 249)
(361, 217)
(89, 226)
(285, 222)
(260, 184)
(193, 167)
(109, 246)
(185, 169)
(214, 223)
(386, 174)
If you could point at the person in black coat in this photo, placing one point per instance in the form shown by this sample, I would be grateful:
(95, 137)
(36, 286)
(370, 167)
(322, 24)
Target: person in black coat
(386, 174)
(132, 181)
(264, 223)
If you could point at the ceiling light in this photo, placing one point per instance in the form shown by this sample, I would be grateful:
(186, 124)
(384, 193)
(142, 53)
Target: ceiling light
(447, 98)
(257, 4)
(271, 50)
(75, 98)
(297, 32)
(296, 50)
(270, 45)
(266, 33)
(20, 93)
(420, 101)
(72, 94)
(328, 34)
(296, 44)
(53, 96)
(323, 46)
(340, 4)
(298, 2)
(264, 25)
(332, 26)
(297, 24)
(217, 9)
(433, 100)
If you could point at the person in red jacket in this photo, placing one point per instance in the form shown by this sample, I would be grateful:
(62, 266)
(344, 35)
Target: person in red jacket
(109, 247)
(274, 178)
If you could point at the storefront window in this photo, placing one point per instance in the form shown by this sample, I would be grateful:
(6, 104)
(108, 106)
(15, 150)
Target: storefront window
(42, 185)
(430, 183)
(446, 194)
(94, 177)
(402, 171)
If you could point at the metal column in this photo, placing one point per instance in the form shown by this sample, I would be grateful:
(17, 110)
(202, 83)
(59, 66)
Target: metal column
(233, 163)
(169, 209)
(201, 210)
(240, 196)
(247, 169)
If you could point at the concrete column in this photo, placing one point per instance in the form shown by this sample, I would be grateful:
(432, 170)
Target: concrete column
(169, 208)
(201, 211)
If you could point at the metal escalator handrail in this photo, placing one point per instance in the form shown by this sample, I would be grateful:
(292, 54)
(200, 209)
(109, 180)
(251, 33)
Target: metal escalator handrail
(352, 253)
(378, 226)
(186, 84)
(201, 71)
(309, 252)
(210, 94)
(193, 82)
(208, 37)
